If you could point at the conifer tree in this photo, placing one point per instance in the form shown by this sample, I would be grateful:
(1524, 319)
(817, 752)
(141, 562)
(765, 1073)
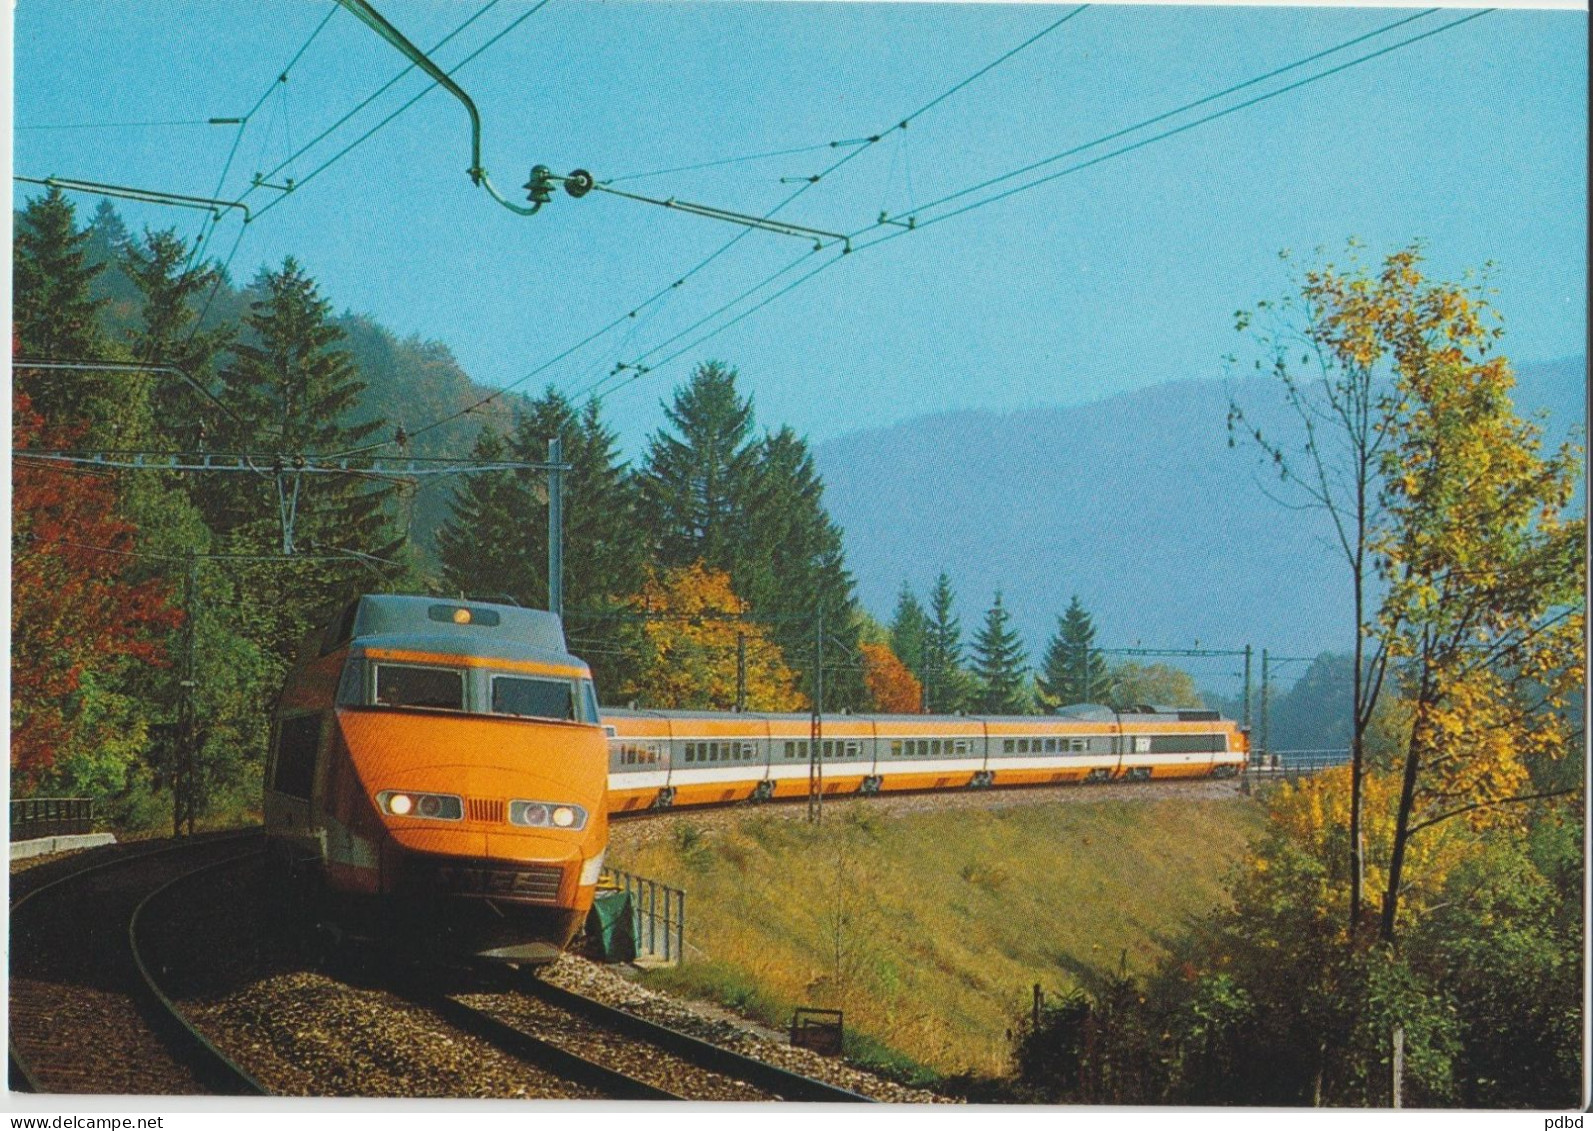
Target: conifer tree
(482, 545)
(910, 630)
(166, 333)
(947, 687)
(293, 388)
(1072, 672)
(695, 482)
(791, 564)
(56, 318)
(1000, 665)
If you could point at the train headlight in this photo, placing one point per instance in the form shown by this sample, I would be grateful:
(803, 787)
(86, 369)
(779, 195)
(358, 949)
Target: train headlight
(546, 814)
(592, 870)
(433, 806)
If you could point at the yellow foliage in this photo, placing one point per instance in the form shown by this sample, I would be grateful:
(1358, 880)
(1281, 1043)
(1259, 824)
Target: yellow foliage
(694, 632)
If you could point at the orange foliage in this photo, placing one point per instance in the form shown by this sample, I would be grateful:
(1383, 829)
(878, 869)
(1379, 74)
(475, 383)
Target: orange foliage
(73, 606)
(693, 634)
(893, 689)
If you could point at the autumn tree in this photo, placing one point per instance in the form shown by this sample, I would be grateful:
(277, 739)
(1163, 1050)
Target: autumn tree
(892, 688)
(1328, 360)
(1071, 670)
(77, 617)
(696, 631)
(1484, 613)
(1000, 665)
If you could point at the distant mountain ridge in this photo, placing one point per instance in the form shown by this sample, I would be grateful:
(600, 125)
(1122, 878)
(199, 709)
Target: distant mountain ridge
(1136, 503)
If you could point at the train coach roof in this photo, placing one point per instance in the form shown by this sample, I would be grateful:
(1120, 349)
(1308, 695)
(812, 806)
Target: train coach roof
(466, 628)
(1082, 712)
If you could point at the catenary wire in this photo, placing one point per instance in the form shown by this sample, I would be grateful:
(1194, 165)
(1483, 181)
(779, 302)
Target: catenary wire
(902, 231)
(857, 146)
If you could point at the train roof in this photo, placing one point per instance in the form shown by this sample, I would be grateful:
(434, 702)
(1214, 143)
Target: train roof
(464, 628)
(1078, 712)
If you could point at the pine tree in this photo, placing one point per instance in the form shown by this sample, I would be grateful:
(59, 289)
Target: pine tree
(293, 389)
(1000, 665)
(910, 631)
(55, 318)
(790, 563)
(1072, 672)
(947, 687)
(166, 334)
(482, 545)
(694, 486)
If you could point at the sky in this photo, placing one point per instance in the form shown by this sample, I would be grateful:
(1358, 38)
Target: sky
(1123, 274)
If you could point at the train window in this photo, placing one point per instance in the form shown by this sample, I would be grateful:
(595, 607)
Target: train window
(298, 740)
(399, 685)
(691, 751)
(1023, 746)
(1050, 746)
(533, 698)
(340, 631)
(1008, 745)
(962, 746)
(590, 713)
(852, 750)
(749, 751)
(351, 687)
(1078, 745)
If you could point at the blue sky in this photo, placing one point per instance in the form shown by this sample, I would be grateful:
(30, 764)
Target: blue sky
(1122, 275)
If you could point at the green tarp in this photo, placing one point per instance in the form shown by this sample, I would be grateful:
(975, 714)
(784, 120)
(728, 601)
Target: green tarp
(612, 924)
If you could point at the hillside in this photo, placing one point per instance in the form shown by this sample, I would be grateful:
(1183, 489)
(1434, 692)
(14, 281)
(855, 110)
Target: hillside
(929, 924)
(1136, 503)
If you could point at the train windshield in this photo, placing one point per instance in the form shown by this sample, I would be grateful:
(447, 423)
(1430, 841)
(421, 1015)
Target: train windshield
(401, 685)
(529, 697)
(533, 698)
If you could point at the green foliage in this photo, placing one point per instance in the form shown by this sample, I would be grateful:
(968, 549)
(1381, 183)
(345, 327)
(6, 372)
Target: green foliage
(947, 687)
(1161, 685)
(1071, 672)
(910, 631)
(1000, 665)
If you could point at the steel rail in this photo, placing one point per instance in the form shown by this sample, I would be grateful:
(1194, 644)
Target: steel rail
(782, 1082)
(19, 1071)
(208, 1063)
(535, 1050)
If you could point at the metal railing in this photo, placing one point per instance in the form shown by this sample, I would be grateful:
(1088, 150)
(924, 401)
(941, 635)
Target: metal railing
(33, 817)
(659, 913)
(1293, 764)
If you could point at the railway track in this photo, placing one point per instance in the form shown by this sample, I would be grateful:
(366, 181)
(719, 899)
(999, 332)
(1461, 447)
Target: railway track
(87, 1015)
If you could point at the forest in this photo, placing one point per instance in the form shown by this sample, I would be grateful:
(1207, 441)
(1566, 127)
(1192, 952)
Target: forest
(158, 602)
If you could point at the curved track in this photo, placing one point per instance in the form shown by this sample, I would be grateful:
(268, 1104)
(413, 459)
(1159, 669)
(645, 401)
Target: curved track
(86, 1016)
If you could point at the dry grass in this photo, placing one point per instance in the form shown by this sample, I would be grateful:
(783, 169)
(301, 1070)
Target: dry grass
(930, 928)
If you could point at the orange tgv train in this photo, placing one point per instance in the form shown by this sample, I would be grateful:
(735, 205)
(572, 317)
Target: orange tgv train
(437, 770)
(665, 758)
(441, 770)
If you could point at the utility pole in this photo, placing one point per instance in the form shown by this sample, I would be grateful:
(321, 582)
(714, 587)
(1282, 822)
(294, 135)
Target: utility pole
(185, 789)
(741, 671)
(816, 730)
(1266, 697)
(556, 527)
(1247, 687)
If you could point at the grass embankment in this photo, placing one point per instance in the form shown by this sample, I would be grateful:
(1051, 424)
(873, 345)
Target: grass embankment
(930, 928)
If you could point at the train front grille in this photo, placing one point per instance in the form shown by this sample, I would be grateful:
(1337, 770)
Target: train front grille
(480, 809)
(535, 883)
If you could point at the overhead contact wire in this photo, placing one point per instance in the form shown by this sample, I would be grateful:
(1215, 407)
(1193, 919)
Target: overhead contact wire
(340, 154)
(902, 231)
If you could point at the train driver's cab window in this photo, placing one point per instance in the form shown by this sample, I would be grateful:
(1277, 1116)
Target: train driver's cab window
(533, 698)
(400, 685)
